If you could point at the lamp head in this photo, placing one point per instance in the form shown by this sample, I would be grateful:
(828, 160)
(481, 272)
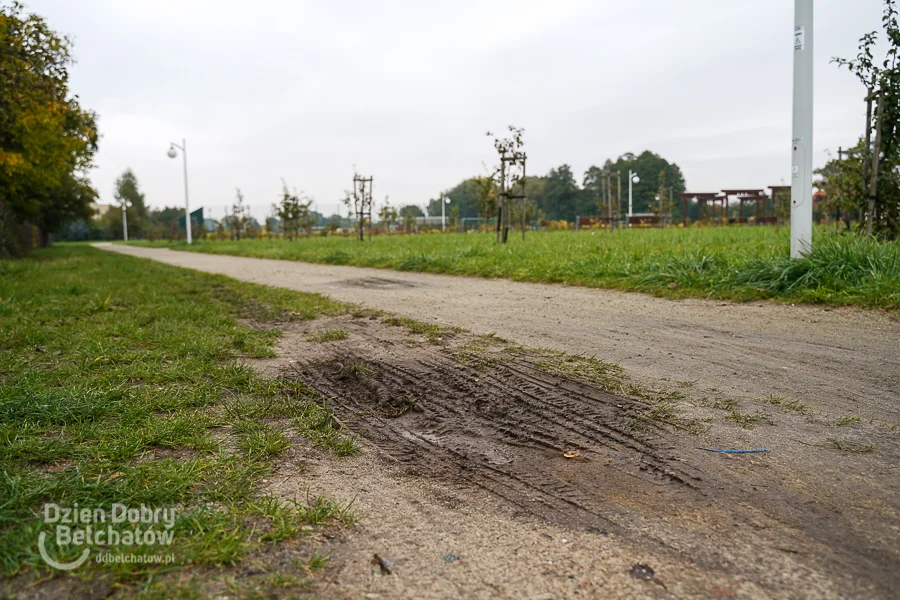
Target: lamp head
(635, 178)
(171, 152)
(447, 200)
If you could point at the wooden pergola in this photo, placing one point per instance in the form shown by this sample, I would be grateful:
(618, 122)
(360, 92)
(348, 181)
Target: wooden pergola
(755, 196)
(702, 198)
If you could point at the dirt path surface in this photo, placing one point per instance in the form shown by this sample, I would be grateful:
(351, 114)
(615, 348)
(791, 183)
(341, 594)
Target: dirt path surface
(466, 437)
(846, 361)
(466, 457)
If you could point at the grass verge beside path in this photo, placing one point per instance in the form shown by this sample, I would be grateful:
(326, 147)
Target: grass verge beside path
(119, 384)
(734, 263)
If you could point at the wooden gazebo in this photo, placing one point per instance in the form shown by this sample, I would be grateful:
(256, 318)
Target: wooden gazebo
(755, 196)
(702, 198)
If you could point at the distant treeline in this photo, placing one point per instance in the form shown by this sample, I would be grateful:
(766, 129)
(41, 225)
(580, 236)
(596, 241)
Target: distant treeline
(559, 195)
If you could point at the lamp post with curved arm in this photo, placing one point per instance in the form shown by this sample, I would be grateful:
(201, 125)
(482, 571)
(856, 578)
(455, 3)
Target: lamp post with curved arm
(444, 202)
(187, 210)
(632, 178)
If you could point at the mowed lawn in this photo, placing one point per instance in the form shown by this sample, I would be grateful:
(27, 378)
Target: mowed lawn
(736, 263)
(120, 383)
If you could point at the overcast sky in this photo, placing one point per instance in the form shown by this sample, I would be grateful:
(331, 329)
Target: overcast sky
(405, 91)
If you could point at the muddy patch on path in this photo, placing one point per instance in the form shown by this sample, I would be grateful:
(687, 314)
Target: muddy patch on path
(558, 439)
(378, 283)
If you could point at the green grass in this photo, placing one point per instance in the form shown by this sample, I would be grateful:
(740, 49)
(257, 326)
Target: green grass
(433, 333)
(329, 335)
(737, 263)
(845, 446)
(587, 368)
(786, 402)
(119, 383)
(748, 420)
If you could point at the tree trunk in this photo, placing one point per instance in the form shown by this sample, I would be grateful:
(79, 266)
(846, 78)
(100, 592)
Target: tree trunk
(876, 159)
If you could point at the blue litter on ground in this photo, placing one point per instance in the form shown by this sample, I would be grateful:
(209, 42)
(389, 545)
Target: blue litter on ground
(733, 451)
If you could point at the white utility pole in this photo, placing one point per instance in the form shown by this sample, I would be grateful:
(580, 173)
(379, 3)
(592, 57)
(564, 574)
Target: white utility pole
(187, 208)
(801, 159)
(632, 178)
(124, 222)
(444, 202)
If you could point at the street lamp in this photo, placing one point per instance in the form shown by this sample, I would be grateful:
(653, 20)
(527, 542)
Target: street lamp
(125, 204)
(632, 178)
(187, 210)
(445, 201)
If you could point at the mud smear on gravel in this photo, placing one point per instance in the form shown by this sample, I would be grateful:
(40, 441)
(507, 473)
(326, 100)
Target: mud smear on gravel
(381, 283)
(460, 408)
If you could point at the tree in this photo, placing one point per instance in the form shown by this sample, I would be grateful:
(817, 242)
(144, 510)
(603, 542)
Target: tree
(47, 140)
(332, 225)
(842, 181)
(294, 212)
(128, 194)
(272, 222)
(647, 165)
(665, 204)
(409, 214)
(485, 197)
(593, 188)
(307, 219)
(561, 195)
(388, 215)
(510, 178)
(880, 181)
(411, 209)
(238, 220)
(453, 218)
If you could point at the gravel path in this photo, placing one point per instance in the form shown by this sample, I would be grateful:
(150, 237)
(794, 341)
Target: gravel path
(841, 361)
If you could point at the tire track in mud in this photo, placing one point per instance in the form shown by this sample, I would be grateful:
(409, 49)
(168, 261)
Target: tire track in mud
(503, 427)
(500, 419)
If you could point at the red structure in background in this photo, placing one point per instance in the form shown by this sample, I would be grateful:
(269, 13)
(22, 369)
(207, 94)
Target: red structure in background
(764, 214)
(755, 196)
(702, 198)
(582, 222)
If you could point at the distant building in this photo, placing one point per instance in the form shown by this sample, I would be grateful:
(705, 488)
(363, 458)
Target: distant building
(430, 221)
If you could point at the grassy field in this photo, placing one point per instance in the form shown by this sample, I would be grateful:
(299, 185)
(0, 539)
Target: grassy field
(119, 384)
(736, 263)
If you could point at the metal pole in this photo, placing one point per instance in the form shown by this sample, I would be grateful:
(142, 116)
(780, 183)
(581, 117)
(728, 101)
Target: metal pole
(187, 208)
(801, 163)
(618, 193)
(441, 200)
(671, 199)
(630, 175)
(609, 212)
(865, 161)
(661, 192)
(524, 196)
(124, 224)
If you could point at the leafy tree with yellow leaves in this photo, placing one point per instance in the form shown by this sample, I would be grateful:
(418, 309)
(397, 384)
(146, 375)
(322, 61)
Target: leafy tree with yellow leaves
(47, 140)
